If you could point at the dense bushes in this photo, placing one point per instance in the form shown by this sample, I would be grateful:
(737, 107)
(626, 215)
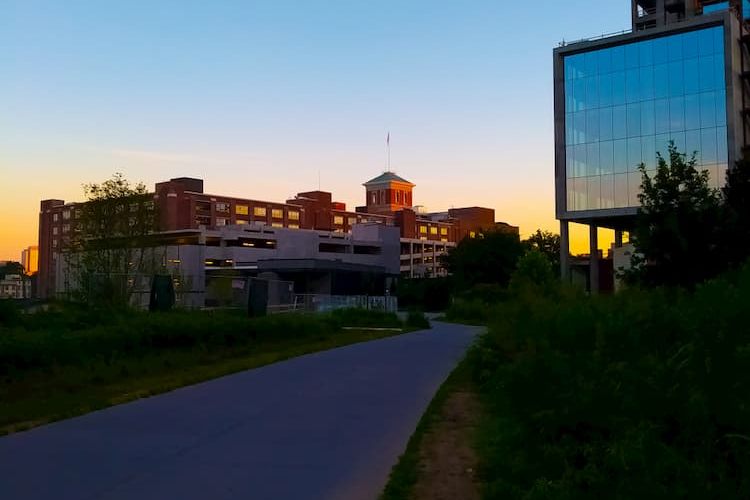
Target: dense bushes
(74, 335)
(646, 393)
(428, 294)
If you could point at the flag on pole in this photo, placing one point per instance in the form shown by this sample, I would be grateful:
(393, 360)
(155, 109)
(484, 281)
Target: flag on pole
(388, 139)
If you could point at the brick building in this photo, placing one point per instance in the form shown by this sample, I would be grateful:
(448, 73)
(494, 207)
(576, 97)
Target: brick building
(184, 205)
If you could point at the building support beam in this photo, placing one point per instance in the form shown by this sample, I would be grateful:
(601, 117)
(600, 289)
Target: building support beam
(564, 251)
(618, 238)
(593, 259)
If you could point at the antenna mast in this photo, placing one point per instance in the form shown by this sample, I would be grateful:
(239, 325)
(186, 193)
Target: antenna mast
(388, 147)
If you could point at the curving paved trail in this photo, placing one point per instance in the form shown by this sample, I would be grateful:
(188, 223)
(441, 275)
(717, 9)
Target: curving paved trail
(323, 426)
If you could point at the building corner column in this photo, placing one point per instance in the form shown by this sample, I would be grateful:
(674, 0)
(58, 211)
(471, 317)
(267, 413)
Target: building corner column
(593, 259)
(618, 238)
(564, 251)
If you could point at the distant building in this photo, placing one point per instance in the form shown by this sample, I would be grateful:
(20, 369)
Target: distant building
(311, 229)
(679, 75)
(14, 286)
(30, 259)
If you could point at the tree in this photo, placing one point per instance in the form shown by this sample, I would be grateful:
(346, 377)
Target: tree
(547, 243)
(108, 252)
(488, 259)
(676, 235)
(736, 224)
(534, 275)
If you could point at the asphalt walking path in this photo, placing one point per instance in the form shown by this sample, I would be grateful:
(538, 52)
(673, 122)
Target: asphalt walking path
(328, 425)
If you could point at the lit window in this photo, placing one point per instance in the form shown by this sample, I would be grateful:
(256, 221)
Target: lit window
(423, 237)
(443, 239)
(433, 230)
(241, 210)
(277, 224)
(293, 226)
(277, 213)
(423, 229)
(259, 211)
(472, 234)
(221, 221)
(352, 220)
(338, 220)
(222, 207)
(293, 215)
(444, 231)
(241, 222)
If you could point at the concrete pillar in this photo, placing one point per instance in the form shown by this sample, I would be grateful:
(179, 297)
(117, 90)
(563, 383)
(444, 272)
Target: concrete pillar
(564, 251)
(434, 260)
(594, 259)
(411, 260)
(618, 238)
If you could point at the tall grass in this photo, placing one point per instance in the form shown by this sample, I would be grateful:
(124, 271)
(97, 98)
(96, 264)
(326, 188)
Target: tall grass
(643, 394)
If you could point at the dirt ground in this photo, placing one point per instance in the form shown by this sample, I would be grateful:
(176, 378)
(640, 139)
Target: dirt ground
(447, 462)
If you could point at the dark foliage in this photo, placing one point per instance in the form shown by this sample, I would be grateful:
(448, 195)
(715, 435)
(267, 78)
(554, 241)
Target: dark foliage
(677, 235)
(488, 259)
(417, 319)
(547, 243)
(645, 394)
(736, 218)
(429, 294)
(75, 335)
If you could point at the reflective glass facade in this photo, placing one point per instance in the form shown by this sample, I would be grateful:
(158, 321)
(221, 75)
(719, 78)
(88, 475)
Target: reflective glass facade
(624, 104)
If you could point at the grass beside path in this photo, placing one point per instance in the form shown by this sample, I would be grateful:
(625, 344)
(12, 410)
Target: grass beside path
(68, 363)
(440, 458)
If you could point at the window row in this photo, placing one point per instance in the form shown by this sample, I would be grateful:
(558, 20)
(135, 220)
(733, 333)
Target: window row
(668, 80)
(276, 213)
(625, 155)
(707, 41)
(601, 192)
(690, 112)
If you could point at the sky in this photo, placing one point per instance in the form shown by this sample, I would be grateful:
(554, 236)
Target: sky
(264, 99)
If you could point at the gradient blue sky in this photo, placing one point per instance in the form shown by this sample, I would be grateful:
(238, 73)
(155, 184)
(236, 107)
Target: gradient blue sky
(258, 97)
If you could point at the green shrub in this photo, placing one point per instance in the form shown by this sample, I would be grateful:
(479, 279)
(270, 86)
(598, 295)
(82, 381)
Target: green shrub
(9, 314)
(642, 394)
(475, 312)
(417, 319)
(371, 318)
(67, 335)
(533, 275)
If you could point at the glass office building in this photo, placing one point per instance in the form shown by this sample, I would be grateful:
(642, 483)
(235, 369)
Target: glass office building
(624, 104)
(681, 75)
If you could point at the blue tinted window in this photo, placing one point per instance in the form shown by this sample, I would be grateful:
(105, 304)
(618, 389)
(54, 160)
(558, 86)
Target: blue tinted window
(707, 9)
(620, 149)
(648, 118)
(634, 119)
(624, 104)
(661, 112)
(605, 124)
(692, 112)
(619, 122)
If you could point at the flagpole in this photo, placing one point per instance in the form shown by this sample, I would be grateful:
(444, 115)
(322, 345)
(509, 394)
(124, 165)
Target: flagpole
(388, 144)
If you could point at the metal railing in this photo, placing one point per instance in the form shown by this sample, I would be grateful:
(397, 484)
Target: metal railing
(323, 303)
